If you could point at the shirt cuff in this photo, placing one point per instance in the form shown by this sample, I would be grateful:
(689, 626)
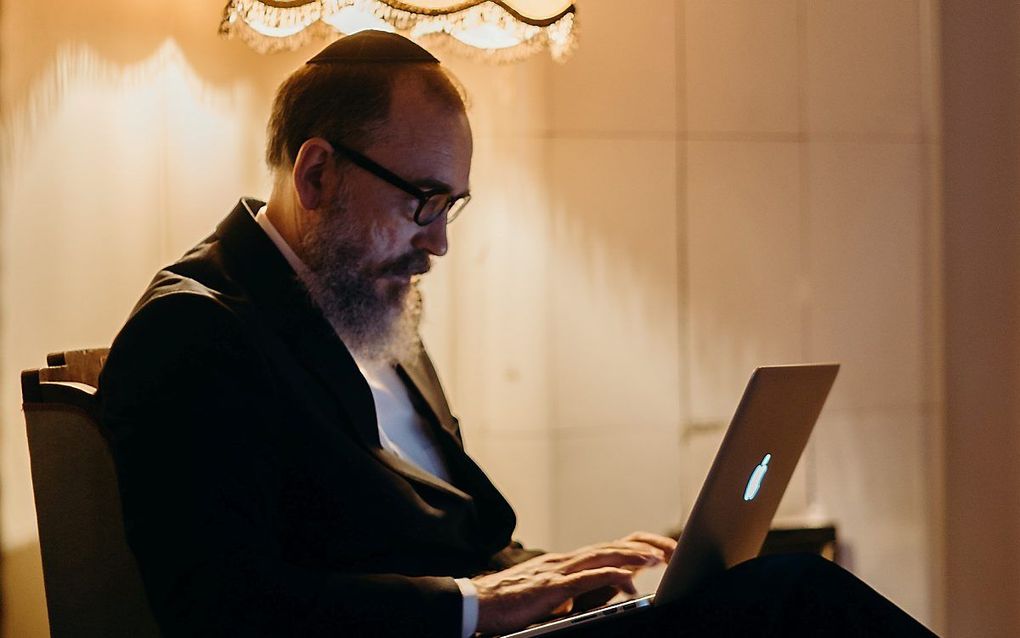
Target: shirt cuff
(469, 614)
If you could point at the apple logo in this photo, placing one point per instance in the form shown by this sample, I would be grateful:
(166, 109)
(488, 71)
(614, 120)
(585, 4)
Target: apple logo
(757, 476)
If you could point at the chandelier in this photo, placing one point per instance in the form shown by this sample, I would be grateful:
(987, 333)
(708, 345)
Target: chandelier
(496, 30)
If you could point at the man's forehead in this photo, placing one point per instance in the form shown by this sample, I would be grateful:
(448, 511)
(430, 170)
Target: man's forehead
(417, 114)
(424, 138)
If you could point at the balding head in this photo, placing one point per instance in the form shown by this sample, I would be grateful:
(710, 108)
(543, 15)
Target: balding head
(344, 93)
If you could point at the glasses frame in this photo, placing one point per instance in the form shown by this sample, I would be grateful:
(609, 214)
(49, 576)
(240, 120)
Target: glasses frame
(452, 208)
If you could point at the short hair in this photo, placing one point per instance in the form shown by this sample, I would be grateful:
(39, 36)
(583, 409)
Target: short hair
(345, 102)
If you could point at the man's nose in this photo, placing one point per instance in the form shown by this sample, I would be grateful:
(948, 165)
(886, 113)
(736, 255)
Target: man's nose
(432, 238)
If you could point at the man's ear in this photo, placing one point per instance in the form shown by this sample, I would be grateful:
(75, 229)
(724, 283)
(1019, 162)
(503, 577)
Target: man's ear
(312, 166)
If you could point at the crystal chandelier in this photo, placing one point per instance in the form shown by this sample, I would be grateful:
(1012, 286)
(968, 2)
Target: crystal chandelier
(496, 30)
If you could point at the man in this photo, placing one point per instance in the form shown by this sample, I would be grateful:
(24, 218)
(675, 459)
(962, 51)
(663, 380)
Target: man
(287, 458)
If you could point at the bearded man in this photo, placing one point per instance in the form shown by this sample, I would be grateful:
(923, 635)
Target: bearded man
(288, 462)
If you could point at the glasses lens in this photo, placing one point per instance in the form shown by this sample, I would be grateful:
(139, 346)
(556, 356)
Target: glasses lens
(439, 203)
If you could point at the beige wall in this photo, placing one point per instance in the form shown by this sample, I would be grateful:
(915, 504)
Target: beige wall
(741, 182)
(981, 71)
(705, 186)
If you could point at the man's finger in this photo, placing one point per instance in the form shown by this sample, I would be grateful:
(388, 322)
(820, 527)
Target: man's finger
(623, 557)
(665, 543)
(637, 539)
(640, 546)
(581, 582)
(637, 546)
(658, 540)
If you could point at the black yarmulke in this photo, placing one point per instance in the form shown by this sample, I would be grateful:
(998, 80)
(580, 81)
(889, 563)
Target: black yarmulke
(373, 46)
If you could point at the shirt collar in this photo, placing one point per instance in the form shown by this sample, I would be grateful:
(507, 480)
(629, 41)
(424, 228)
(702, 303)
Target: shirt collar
(302, 271)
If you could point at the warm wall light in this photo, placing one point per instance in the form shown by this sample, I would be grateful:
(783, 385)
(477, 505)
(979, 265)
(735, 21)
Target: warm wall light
(497, 30)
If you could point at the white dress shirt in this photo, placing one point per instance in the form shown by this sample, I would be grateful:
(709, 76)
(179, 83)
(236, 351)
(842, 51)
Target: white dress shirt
(402, 430)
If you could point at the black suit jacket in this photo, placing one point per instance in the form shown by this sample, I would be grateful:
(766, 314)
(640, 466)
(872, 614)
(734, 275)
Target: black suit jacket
(256, 495)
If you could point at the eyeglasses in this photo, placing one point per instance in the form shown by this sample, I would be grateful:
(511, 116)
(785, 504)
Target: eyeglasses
(431, 203)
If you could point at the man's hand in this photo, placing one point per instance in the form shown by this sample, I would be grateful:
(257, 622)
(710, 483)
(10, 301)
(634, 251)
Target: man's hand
(533, 590)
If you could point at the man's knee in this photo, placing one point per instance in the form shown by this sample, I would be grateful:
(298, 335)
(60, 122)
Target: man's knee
(796, 566)
(781, 576)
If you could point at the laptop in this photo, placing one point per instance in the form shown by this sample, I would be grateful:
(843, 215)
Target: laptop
(741, 494)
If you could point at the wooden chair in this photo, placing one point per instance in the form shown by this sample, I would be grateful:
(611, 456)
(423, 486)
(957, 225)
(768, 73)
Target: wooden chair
(93, 586)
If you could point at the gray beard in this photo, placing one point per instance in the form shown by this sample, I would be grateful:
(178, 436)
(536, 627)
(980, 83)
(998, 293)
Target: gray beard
(378, 328)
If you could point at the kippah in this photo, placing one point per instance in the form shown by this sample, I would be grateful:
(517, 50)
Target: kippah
(373, 46)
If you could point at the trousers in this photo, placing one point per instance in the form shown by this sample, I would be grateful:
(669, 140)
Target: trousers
(785, 595)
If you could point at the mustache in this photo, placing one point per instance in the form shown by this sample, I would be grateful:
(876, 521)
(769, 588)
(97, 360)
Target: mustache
(414, 263)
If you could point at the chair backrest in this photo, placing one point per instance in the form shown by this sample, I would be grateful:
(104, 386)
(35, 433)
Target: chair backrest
(93, 586)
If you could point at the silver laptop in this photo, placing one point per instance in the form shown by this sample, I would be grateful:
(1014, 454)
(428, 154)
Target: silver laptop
(736, 504)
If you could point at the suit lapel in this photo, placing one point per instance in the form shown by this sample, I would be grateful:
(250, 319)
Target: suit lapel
(415, 473)
(427, 394)
(329, 360)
